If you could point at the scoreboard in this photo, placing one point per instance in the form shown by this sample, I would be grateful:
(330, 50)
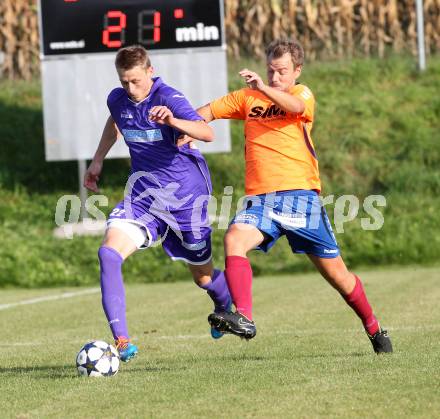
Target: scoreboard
(90, 26)
(78, 43)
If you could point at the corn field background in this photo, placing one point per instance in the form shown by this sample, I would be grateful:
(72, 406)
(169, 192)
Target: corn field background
(328, 29)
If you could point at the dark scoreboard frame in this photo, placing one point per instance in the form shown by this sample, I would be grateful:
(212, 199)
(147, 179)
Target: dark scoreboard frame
(99, 26)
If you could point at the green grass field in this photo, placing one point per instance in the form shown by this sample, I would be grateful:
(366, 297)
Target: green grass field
(310, 357)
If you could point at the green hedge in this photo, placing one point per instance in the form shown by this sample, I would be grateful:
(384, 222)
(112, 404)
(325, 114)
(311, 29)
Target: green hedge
(376, 132)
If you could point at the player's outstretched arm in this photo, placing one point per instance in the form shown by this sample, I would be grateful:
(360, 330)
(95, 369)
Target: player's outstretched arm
(206, 113)
(108, 138)
(196, 129)
(284, 100)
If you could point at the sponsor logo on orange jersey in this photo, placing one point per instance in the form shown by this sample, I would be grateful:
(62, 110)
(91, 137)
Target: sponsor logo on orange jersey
(269, 112)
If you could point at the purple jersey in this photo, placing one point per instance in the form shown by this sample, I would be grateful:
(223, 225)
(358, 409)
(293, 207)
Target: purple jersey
(159, 169)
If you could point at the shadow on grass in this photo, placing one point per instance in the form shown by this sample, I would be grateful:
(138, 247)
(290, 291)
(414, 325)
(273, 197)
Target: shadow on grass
(43, 371)
(329, 355)
(293, 356)
(245, 357)
(153, 369)
(69, 371)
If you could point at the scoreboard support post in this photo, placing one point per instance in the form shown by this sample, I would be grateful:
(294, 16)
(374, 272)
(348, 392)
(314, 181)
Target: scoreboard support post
(82, 167)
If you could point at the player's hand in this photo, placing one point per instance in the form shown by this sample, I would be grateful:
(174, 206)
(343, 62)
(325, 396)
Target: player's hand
(92, 176)
(184, 139)
(160, 114)
(252, 79)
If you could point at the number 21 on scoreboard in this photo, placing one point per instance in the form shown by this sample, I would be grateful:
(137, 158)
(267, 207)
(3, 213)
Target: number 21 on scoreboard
(115, 22)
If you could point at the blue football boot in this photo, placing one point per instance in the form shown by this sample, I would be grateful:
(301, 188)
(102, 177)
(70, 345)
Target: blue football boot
(126, 349)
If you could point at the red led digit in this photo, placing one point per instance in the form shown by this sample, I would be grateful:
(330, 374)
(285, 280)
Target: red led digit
(143, 28)
(108, 29)
(156, 32)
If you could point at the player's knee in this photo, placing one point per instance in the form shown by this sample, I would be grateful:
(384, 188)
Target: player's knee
(233, 244)
(228, 239)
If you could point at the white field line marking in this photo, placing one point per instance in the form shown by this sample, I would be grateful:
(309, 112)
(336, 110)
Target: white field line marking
(8, 345)
(50, 298)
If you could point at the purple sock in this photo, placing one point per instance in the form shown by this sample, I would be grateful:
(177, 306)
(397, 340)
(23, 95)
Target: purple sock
(112, 289)
(218, 290)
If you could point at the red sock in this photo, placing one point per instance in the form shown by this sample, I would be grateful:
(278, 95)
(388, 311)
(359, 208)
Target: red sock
(357, 300)
(239, 278)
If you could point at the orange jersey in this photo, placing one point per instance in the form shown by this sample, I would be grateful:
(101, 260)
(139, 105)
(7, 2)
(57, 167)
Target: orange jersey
(279, 150)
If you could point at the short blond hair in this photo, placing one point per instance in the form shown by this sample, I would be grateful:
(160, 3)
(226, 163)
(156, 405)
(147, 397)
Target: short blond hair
(133, 56)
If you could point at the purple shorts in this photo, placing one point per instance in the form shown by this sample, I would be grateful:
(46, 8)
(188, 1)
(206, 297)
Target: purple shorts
(184, 235)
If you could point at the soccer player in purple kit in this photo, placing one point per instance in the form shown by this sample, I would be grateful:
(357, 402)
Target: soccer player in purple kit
(167, 192)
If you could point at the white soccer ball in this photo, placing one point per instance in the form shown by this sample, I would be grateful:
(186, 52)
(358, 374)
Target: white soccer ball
(97, 359)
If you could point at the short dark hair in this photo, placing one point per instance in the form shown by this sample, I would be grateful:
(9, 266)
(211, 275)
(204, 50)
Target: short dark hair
(279, 47)
(129, 57)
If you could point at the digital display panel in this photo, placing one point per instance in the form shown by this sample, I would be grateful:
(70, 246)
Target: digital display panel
(95, 26)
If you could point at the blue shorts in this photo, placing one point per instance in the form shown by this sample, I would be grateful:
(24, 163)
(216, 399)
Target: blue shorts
(170, 229)
(297, 214)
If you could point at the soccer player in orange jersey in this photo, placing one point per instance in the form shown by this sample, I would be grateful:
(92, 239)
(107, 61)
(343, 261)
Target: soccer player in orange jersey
(282, 187)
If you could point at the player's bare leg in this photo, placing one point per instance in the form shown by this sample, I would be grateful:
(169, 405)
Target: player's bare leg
(239, 239)
(119, 241)
(351, 289)
(214, 282)
(336, 273)
(202, 274)
(116, 247)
